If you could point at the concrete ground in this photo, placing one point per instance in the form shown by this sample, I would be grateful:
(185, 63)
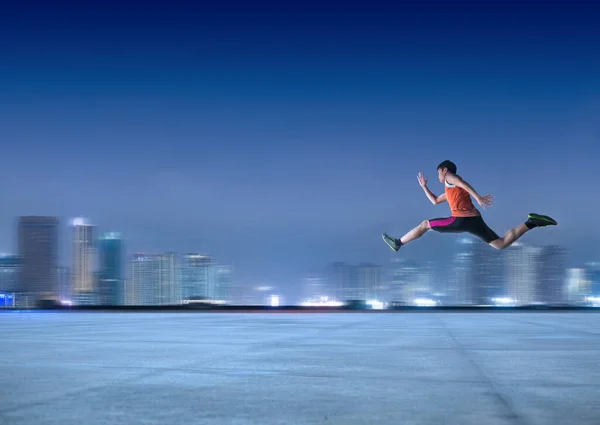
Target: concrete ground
(299, 368)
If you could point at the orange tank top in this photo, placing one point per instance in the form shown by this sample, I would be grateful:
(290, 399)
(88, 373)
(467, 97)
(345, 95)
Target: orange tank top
(460, 202)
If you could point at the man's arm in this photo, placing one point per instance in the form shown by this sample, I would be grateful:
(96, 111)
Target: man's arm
(460, 182)
(433, 198)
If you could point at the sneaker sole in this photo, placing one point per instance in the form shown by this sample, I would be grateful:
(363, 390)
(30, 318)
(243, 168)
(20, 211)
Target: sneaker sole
(545, 218)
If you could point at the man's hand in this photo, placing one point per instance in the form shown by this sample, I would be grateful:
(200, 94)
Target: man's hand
(422, 180)
(485, 201)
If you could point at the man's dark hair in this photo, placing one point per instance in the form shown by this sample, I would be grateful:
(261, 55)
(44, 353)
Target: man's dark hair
(451, 166)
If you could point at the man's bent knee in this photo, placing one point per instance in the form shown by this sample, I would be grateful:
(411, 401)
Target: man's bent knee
(425, 225)
(498, 244)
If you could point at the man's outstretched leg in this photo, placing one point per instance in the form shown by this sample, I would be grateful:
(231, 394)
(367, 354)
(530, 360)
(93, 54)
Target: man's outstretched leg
(415, 233)
(534, 220)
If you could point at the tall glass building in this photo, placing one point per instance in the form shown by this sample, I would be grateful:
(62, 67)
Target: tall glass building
(111, 290)
(9, 273)
(153, 279)
(38, 252)
(82, 277)
(196, 272)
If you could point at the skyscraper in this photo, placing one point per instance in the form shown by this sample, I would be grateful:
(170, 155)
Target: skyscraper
(152, 280)
(402, 276)
(38, 251)
(368, 282)
(169, 282)
(593, 273)
(9, 273)
(143, 277)
(577, 286)
(314, 289)
(553, 263)
(488, 274)
(461, 285)
(195, 276)
(223, 279)
(84, 285)
(523, 273)
(425, 286)
(343, 282)
(111, 289)
(65, 288)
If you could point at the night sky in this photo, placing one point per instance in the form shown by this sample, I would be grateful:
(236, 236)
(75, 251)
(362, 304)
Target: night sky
(280, 138)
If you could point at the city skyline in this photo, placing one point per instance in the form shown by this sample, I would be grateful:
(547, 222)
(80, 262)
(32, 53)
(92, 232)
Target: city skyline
(103, 273)
(280, 136)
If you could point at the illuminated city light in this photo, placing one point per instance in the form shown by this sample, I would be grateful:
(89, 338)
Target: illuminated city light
(503, 301)
(322, 301)
(375, 305)
(425, 302)
(79, 221)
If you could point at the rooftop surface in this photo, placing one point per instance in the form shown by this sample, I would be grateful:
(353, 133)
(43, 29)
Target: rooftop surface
(300, 368)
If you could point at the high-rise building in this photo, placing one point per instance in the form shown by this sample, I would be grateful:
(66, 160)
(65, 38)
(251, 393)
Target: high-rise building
(593, 274)
(38, 251)
(552, 266)
(152, 280)
(143, 277)
(169, 282)
(9, 273)
(368, 282)
(402, 278)
(111, 289)
(577, 286)
(488, 274)
(522, 273)
(425, 285)
(314, 289)
(65, 292)
(343, 282)
(461, 285)
(222, 277)
(83, 267)
(195, 276)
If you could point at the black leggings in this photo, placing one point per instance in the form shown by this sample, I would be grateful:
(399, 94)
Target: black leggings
(473, 225)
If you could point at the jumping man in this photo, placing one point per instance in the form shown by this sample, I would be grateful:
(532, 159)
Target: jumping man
(465, 217)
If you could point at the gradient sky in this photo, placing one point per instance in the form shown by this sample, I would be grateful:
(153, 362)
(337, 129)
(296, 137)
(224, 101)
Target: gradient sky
(281, 137)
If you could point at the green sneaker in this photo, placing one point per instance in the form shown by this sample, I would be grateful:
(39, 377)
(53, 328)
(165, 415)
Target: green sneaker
(541, 220)
(392, 242)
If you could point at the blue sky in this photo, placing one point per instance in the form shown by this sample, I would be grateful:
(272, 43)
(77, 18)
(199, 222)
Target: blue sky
(281, 138)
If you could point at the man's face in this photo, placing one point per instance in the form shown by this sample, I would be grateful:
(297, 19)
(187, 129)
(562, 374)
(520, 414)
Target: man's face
(442, 174)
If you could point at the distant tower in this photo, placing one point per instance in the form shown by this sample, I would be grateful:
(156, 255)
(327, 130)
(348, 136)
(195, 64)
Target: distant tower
(169, 287)
(38, 252)
(577, 286)
(552, 271)
(111, 288)
(523, 267)
(343, 282)
(142, 280)
(593, 273)
(488, 274)
(152, 280)
(461, 287)
(64, 284)
(402, 276)
(196, 273)
(314, 289)
(84, 288)
(368, 282)
(9, 273)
